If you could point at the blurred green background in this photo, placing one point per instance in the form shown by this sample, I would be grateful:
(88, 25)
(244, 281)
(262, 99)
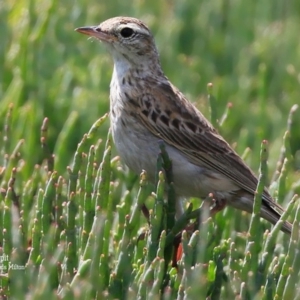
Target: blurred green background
(249, 50)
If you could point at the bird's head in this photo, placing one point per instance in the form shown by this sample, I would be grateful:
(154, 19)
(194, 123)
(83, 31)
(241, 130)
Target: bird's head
(126, 39)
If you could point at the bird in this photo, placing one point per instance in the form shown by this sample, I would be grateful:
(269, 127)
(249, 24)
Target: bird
(146, 109)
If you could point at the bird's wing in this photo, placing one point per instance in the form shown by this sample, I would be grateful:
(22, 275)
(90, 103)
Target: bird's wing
(167, 114)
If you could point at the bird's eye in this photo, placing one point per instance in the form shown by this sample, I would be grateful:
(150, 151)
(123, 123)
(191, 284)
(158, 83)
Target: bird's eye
(126, 32)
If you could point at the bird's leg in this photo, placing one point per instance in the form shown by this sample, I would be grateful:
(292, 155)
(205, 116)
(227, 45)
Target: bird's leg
(210, 206)
(217, 204)
(145, 212)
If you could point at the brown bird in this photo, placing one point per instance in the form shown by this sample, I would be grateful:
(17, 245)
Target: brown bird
(146, 108)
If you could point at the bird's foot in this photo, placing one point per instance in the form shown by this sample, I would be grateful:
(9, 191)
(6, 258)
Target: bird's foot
(217, 204)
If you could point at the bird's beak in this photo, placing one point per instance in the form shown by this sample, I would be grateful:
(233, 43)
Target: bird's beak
(95, 31)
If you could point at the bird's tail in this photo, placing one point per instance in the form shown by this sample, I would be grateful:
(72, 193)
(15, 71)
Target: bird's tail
(270, 214)
(270, 210)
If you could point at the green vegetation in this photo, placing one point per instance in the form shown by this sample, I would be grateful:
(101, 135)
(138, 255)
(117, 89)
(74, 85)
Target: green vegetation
(71, 214)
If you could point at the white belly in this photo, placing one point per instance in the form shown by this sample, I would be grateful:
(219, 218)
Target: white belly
(139, 150)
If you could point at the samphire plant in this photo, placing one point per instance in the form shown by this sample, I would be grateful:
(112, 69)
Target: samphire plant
(99, 232)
